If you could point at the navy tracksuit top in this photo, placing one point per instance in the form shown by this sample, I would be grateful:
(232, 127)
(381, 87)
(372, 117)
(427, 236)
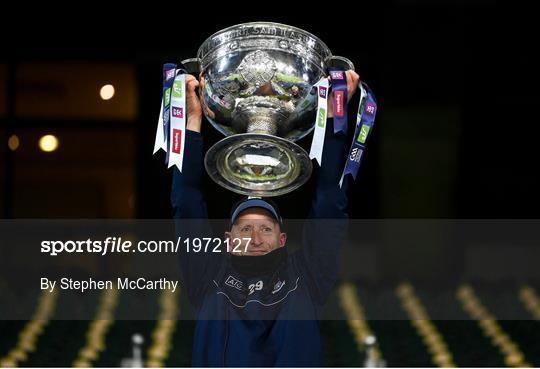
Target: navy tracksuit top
(268, 320)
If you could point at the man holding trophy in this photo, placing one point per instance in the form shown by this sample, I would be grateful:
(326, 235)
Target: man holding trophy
(264, 85)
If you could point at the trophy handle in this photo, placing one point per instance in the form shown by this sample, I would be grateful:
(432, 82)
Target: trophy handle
(338, 61)
(192, 65)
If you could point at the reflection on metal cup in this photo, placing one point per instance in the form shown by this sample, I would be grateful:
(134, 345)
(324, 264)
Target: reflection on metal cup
(257, 88)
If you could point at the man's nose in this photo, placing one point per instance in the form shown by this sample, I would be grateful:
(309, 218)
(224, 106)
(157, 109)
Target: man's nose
(256, 237)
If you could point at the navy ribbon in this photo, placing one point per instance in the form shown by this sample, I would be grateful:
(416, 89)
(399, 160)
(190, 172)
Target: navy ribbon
(339, 102)
(364, 126)
(169, 72)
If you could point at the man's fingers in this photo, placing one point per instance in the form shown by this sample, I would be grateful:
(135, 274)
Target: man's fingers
(194, 110)
(190, 77)
(352, 74)
(352, 82)
(352, 79)
(192, 98)
(191, 83)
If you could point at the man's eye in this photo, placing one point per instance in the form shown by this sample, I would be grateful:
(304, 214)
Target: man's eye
(268, 229)
(245, 229)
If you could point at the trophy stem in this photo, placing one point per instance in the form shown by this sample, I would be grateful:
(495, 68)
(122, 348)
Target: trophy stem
(265, 126)
(261, 114)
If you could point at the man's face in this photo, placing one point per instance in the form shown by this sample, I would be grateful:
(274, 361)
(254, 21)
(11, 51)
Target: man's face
(260, 228)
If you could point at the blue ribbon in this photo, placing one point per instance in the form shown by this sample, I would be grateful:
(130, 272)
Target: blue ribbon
(169, 72)
(364, 126)
(339, 102)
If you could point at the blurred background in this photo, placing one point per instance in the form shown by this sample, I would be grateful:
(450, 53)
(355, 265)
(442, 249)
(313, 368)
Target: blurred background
(456, 136)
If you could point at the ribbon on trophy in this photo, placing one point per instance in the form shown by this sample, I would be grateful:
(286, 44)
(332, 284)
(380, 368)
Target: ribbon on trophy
(320, 123)
(171, 129)
(169, 71)
(177, 131)
(339, 102)
(365, 120)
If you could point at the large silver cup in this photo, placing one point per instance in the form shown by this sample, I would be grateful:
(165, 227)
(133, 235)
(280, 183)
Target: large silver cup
(257, 89)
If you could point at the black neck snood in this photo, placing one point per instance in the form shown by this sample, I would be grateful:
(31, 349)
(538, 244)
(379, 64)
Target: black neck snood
(252, 266)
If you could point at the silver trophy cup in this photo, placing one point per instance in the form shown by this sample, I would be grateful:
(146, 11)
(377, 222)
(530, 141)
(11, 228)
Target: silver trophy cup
(256, 87)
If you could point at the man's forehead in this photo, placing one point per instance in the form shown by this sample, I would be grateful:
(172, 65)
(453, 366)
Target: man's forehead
(257, 215)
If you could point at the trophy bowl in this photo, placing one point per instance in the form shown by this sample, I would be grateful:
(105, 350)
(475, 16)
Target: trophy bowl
(257, 88)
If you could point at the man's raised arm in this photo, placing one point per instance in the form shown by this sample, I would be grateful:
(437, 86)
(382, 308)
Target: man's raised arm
(326, 227)
(189, 206)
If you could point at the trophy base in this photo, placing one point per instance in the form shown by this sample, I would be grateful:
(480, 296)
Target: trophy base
(258, 164)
